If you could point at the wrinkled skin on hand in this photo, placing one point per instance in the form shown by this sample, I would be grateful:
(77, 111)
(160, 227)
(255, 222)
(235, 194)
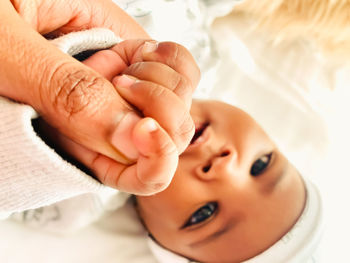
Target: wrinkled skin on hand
(81, 104)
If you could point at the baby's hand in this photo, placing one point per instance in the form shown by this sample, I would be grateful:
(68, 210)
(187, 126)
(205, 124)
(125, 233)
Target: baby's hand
(163, 78)
(158, 79)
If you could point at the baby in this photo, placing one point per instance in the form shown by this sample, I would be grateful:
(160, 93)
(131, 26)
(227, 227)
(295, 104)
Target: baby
(234, 194)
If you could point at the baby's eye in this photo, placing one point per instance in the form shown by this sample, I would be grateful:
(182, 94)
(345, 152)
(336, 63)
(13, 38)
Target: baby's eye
(202, 214)
(260, 165)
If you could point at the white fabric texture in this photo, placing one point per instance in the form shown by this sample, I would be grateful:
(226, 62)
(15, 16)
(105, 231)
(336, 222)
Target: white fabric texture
(92, 39)
(298, 245)
(32, 174)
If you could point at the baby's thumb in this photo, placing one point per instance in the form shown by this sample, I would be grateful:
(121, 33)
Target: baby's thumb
(158, 158)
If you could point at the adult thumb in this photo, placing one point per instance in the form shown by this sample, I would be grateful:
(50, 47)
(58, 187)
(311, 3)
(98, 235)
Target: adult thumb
(73, 98)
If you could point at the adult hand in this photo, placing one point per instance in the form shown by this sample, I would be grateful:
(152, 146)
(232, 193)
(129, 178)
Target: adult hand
(74, 99)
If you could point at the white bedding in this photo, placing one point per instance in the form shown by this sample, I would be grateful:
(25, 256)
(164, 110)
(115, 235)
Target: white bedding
(308, 95)
(287, 89)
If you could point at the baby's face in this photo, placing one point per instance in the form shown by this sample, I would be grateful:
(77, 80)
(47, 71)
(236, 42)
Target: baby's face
(233, 195)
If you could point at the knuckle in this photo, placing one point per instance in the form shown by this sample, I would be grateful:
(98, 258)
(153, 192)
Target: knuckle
(155, 92)
(149, 185)
(170, 52)
(166, 148)
(73, 91)
(135, 68)
(183, 87)
(150, 188)
(178, 56)
(185, 131)
(172, 60)
(163, 147)
(178, 53)
(27, 9)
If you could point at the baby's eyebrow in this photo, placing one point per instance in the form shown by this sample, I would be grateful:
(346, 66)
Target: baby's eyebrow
(213, 236)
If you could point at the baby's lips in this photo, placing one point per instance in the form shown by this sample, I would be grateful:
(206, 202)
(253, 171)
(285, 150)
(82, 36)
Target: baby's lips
(122, 136)
(201, 136)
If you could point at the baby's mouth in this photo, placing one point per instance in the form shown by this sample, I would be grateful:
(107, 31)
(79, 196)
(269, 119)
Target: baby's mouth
(199, 132)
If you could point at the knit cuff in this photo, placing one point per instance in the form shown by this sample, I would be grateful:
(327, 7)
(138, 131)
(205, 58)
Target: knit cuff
(32, 174)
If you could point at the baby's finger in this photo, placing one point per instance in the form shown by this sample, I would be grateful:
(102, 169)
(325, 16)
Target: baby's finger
(171, 54)
(100, 165)
(175, 56)
(109, 64)
(153, 171)
(163, 75)
(161, 104)
(106, 62)
(156, 164)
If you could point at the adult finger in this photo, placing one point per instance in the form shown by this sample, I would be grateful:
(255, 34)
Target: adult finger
(73, 98)
(58, 17)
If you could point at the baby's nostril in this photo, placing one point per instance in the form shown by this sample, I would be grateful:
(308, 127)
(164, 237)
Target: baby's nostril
(225, 153)
(206, 168)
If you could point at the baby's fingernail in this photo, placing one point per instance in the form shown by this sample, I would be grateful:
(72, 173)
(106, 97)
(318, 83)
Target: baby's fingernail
(122, 136)
(149, 125)
(149, 47)
(157, 187)
(124, 81)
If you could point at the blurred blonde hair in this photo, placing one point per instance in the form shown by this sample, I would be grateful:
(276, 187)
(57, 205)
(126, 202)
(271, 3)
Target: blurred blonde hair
(325, 21)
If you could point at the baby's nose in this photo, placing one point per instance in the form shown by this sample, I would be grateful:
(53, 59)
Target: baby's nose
(222, 162)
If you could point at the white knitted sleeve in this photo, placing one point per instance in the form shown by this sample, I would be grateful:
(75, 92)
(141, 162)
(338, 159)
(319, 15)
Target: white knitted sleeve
(31, 173)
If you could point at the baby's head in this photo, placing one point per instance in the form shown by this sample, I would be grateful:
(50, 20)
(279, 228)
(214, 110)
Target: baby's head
(234, 193)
